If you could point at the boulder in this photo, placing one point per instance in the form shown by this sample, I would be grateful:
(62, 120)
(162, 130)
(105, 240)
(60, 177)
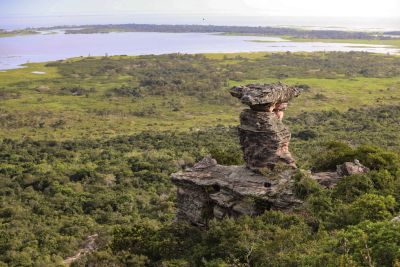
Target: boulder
(350, 168)
(330, 179)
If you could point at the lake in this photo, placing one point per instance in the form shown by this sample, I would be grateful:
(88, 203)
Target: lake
(18, 50)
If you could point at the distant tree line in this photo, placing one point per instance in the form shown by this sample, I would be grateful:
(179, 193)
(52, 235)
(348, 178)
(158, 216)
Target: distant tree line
(299, 33)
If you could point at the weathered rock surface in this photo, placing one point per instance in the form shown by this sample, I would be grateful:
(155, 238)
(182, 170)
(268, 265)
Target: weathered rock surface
(262, 96)
(350, 168)
(264, 140)
(209, 190)
(263, 137)
(330, 179)
(217, 191)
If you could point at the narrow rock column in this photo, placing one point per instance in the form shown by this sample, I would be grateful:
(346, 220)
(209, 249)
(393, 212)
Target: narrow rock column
(263, 137)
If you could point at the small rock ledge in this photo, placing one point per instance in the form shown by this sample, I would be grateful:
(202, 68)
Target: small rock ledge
(218, 191)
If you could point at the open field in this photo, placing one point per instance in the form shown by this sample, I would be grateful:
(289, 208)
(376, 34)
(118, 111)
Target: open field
(60, 105)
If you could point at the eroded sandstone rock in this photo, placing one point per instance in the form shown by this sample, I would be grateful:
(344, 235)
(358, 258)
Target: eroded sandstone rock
(209, 190)
(218, 191)
(263, 137)
(263, 96)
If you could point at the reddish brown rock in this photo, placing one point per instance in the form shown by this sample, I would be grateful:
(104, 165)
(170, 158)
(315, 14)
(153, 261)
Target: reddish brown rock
(263, 137)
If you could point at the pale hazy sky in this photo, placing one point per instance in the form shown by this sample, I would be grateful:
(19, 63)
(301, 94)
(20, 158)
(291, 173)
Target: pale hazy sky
(334, 8)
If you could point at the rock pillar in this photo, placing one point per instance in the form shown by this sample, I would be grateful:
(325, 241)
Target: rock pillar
(263, 137)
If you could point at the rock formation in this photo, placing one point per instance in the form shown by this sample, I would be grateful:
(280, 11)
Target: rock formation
(350, 168)
(263, 136)
(329, 179)
(209, 190)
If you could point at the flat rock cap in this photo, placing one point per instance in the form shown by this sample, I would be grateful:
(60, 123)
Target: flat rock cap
(264, 94)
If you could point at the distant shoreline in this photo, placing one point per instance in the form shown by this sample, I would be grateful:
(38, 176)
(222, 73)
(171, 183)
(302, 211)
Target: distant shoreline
(230, 30)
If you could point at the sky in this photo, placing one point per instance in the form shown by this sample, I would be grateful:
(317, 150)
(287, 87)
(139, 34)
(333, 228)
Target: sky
(313, 8)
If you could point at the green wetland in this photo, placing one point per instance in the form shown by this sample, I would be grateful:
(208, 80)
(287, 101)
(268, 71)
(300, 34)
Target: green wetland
(87, 146)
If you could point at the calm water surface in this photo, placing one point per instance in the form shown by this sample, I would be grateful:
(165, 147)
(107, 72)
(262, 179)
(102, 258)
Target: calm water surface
(18, 50)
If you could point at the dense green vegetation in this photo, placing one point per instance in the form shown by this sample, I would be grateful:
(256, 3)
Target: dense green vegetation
(87, 148)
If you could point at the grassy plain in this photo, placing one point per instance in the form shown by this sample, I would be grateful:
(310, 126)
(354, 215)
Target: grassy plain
(43, 112)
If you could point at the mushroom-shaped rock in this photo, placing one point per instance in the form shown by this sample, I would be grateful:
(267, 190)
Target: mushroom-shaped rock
(263, 96)
(209, 190)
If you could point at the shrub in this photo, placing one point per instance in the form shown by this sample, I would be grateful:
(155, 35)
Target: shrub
(367, 207)
(332, 154)
(305, 186)
(373, 242)
(350, 187)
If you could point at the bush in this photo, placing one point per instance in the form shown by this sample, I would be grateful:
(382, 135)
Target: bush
(227, 155)
(367, 207)
(305, 186)
(305, 134)
(366, 244)
(332, 154)
(350, 187)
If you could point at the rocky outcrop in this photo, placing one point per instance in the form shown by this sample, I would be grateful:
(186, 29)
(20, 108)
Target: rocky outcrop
(263, 137)
(396, 219)
(217, 191)
(330, 179)
(209, 190)
(263, 97)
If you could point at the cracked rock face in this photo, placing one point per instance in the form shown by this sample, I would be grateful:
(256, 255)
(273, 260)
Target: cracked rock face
(219, 191)
(263, 137)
